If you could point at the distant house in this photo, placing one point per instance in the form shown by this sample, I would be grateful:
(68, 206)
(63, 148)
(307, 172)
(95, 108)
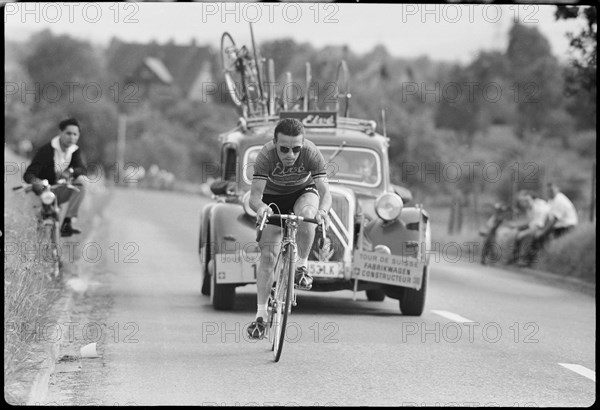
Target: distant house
(184, 69)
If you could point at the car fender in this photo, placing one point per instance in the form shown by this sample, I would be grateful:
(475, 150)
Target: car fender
(233, 245)
(401, 236)
(204, 227)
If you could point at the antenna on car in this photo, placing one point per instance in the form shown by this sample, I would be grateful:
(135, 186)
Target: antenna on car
(271, 85)
(259, 65)
(288, 80)
(383, 122)
(308, 80)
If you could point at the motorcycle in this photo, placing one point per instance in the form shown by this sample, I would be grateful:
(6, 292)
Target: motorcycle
(48, 220)
(501, 213)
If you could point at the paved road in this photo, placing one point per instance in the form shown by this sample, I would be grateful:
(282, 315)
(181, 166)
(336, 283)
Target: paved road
(487, 337)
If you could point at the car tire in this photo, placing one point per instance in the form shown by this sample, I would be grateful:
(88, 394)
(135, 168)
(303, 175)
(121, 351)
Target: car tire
(206, 284)
(222, 296)
(412, 302)
(204, 271)
(375, 295)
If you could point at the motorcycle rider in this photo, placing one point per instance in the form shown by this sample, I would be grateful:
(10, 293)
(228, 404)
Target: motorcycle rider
(52, 162)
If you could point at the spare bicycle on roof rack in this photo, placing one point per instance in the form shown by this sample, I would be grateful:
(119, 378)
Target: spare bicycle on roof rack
(379, 239)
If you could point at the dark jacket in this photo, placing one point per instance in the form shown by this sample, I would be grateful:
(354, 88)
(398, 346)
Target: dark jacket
(42, 165)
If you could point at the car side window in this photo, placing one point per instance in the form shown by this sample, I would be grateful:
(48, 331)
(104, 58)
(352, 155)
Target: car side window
(249, 159)
(229, 158)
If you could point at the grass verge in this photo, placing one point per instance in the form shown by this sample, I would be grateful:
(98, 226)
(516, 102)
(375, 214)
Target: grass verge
(29, 293)
(573, 254)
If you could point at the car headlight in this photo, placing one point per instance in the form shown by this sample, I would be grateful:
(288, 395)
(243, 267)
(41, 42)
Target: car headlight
(47, 197)
(388, 206)
(246, 202)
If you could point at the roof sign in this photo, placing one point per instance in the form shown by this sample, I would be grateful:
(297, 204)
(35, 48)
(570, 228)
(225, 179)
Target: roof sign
(313, 119)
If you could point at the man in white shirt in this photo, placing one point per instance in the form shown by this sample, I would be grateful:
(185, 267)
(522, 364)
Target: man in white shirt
(563, 215)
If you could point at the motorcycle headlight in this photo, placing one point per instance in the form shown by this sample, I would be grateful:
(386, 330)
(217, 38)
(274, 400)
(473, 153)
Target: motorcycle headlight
(47, 197)
(388, 206)
(246, 203)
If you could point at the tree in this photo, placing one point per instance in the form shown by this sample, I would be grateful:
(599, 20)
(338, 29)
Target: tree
(475, 96)
(537, 79)
(581, 75)
(61, 66)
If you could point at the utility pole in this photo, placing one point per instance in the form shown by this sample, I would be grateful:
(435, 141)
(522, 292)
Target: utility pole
(593, 195)
(121, 138)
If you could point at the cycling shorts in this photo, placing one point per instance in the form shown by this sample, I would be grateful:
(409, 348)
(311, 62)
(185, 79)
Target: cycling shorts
(285, 203)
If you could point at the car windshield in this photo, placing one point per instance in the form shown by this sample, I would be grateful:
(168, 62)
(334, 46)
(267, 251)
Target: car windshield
(351, 165)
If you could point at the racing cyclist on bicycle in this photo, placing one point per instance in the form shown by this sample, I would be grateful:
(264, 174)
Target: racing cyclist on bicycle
(289, 176)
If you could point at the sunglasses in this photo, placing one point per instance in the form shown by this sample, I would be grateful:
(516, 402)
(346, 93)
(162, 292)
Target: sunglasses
(295, 150)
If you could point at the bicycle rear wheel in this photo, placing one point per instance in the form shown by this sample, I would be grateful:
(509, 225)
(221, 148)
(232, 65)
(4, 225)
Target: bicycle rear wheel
(283, 299)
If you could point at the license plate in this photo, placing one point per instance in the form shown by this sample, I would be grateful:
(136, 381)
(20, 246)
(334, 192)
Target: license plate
(325, 269)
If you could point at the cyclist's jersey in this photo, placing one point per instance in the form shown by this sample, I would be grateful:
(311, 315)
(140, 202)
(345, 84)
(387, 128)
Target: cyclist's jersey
(281, 180)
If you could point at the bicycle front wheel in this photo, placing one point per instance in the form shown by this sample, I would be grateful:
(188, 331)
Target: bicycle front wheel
(229, 64)
(283, 299)
(49, 242)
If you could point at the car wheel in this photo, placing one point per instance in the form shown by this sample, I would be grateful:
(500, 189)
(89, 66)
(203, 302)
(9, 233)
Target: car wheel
(222, 296)
(412, 302)
(205, 274)
(375, 295)
(206, 284)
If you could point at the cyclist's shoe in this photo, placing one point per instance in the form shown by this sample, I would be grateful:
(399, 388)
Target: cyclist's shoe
(68, 229)
(257, 329)
(302, 279)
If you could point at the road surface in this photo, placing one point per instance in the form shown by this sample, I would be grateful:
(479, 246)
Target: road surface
(488, 337)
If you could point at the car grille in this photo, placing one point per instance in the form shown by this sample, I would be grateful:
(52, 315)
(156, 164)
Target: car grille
(341, 237)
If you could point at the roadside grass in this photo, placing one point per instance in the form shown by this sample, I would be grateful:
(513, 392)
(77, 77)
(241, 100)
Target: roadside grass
(29, 294)
(573, 254)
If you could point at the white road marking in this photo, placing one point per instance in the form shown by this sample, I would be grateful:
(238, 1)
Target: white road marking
(584, 371)
(452, 316)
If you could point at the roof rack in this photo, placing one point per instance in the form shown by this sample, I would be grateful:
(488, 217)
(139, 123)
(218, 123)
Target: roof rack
(346, 123)
(261, 106)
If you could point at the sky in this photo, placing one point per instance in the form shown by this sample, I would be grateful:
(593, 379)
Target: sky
(447, 32)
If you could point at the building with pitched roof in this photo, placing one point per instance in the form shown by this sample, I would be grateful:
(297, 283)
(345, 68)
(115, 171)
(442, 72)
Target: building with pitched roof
(183, 68)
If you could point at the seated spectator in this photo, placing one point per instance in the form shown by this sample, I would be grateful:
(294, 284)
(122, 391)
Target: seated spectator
(563, 215)
(526, 242)
(52, 162)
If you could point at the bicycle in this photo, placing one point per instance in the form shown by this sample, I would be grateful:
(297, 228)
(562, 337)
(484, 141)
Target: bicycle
(283, 296)
(243, 74)
(48, 220)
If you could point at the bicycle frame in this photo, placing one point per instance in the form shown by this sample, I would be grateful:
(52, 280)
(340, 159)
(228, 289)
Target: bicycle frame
(284, 296)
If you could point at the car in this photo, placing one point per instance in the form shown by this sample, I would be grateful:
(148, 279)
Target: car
(378, 240)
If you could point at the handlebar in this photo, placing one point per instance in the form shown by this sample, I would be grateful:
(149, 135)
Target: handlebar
(297, 218)
(29, 187)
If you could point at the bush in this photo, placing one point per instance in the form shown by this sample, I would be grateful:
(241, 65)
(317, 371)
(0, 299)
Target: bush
(573, 254)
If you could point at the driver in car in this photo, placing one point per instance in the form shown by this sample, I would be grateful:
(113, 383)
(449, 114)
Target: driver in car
(290, 175)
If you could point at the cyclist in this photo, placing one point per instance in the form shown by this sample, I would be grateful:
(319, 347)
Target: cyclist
(52, 162)
(289, 176)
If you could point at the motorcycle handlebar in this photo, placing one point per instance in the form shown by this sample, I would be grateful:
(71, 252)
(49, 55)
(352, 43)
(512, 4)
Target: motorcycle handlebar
(29, 187)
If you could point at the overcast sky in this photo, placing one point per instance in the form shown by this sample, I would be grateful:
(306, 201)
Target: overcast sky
(448, 32)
